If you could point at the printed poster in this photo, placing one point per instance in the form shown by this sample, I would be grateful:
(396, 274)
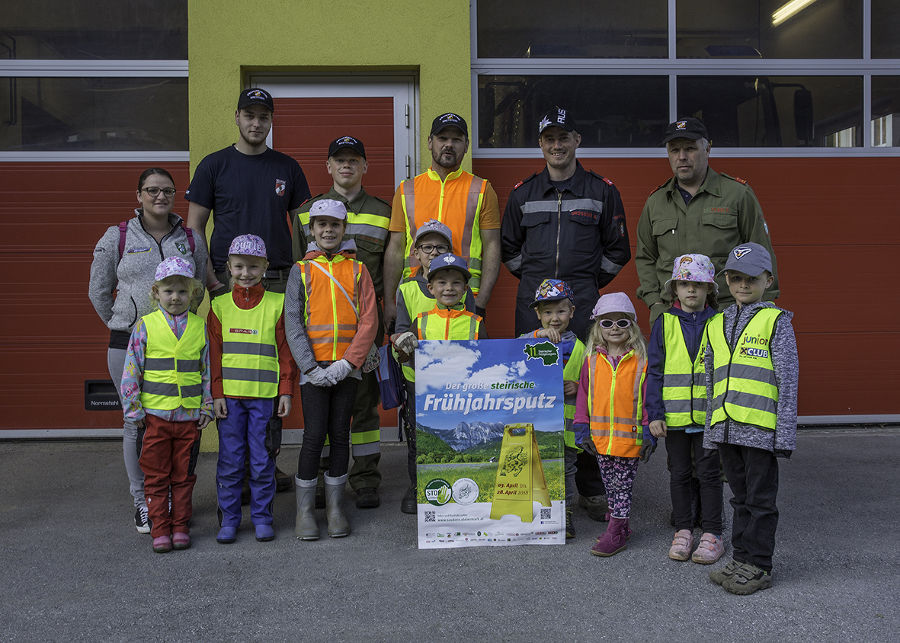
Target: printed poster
(489, 442)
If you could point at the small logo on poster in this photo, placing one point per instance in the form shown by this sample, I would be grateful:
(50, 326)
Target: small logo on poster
(438, 492)
(465, 491)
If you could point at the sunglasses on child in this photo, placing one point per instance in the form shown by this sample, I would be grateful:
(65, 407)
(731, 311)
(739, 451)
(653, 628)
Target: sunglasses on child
(609, 323)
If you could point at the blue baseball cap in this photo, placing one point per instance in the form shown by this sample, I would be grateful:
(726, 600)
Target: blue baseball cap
(448, 260)
(552, 290)
(749, 258)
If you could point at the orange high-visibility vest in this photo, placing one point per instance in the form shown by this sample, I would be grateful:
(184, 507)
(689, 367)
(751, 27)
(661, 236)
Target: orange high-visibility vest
(331, 320)
(615, 404)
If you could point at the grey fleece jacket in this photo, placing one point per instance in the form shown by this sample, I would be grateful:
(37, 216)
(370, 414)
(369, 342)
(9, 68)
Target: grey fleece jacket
(784, 359)
(134, 274)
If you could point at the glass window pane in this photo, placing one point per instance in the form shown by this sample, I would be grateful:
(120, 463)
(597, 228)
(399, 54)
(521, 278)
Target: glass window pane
(886, 111)
(94, 30)
(69, 114)
(885, 28)
(611, 111)
(571, 29)
(775, 111)
(823, 29)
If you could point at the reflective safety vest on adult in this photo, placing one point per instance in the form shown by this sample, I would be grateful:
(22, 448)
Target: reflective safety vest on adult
(456, 202)
(615, 404)
(744, 386)
(249, 349)
(684, 383)
(171, 364)
(332, 304)
(446, 323)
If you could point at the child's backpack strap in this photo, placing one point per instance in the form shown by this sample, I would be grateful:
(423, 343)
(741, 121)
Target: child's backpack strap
(123, 231)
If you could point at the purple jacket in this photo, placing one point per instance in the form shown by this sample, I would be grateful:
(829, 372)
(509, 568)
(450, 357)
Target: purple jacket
(692, 325)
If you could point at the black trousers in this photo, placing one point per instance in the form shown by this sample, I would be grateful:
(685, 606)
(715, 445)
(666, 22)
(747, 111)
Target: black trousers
(410, 427)
(326, 412)
(753, 478)
(680, 446)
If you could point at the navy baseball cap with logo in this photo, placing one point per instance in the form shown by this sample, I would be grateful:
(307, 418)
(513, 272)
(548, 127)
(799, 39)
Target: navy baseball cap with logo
(449, 120)
(346, 143)
(557, 117)
(255, 96)
(749, 258)
(450, 261)
(690, 128)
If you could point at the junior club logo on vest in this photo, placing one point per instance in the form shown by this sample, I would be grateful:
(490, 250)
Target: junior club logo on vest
(753, 347)
(243, 331)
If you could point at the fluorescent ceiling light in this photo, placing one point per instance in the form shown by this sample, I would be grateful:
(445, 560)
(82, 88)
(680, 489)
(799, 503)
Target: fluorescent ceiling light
(789, 9)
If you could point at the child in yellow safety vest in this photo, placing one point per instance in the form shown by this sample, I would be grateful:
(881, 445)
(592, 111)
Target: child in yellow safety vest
(166, 393)
(676, 406)
(610, 420)
(332, 321)
(554, 304)
(252, 376)
(448, 278)
(751, 390)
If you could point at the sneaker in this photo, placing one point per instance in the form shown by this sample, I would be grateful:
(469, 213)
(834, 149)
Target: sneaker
(264, 533)
(719, 576)
(595, 506)
(226, 535)
(570, 527)
(283, 482)
(181, 540)
(681, 545)
(709, 550)
(367, 498)
(748, 578)
(162, 544)
(141, 520)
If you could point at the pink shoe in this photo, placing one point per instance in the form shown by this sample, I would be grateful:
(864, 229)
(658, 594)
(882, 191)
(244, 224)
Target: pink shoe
(681, 545)
(709, 550)
(181, 540)
(614, 540)
(162, 544)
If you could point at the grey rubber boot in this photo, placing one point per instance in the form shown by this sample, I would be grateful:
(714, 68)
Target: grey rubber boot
(338, 527)
(306, 527)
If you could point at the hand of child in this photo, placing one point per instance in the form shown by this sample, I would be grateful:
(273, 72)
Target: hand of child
(550, 333)
(319, 377)
(220, 408)
(284, 405)
(647, 449)
(658, 428)
(406, 344)
(570, 389)
(589, 447)
(339, 370)
(203, 421)
(139, 423)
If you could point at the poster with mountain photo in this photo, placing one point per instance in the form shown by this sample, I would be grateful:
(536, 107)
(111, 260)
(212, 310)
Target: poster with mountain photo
(489, 443)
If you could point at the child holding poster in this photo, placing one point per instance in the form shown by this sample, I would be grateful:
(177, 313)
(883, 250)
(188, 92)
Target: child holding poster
(554, 304)
(610, 420)
(449, 318)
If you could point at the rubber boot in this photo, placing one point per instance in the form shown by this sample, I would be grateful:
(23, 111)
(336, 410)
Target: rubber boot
(338, 527)
(306, 527)
(614, 540)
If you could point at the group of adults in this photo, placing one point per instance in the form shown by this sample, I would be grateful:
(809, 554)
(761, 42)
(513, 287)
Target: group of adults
(563, 222)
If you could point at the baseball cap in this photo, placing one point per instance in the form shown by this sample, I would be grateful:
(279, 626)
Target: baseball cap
(557, 117)
(692, 128)
(256, 96)
(346, 143)
(451, 261)
(174, 266)
(693, 267)
(449, 120)
(749, 258)
(328, 208)
(614, 302)
(552, 290)
(248, 244)
(436, 227)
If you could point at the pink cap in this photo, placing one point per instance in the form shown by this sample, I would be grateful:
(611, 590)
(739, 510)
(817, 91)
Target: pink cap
(174, 266)
(694, 267)
(614, 302)
(248, 244)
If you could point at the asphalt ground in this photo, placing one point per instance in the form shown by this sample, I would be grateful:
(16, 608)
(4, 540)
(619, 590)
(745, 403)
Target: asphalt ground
(72, 566)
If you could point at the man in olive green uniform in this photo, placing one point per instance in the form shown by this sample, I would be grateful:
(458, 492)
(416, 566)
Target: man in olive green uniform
(698, 210)
(368, 218)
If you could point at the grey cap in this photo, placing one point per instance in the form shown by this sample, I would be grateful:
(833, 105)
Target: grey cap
(749, 258)
(436, 227)
(328, 208)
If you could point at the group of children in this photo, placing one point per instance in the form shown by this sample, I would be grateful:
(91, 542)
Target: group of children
(716, 386)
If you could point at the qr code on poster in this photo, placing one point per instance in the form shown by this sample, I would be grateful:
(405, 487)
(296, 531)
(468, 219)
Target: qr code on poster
(545, 513)
(429, 516)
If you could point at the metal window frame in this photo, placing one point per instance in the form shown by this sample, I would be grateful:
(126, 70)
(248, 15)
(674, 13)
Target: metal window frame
(673, 67)
(94, 69)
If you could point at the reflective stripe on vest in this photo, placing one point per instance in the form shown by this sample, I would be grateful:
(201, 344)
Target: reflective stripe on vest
(427, 197)
(249, 350)
(571, 373)
(446, 323)
(172, 365)
(744, 386)
(684, 387)
(331, 321)
(615, 402)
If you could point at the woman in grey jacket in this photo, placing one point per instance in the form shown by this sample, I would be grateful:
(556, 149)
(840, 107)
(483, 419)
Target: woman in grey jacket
(122, 273)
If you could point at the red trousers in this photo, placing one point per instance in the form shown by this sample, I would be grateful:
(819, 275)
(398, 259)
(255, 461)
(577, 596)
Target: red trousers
(168, 456)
